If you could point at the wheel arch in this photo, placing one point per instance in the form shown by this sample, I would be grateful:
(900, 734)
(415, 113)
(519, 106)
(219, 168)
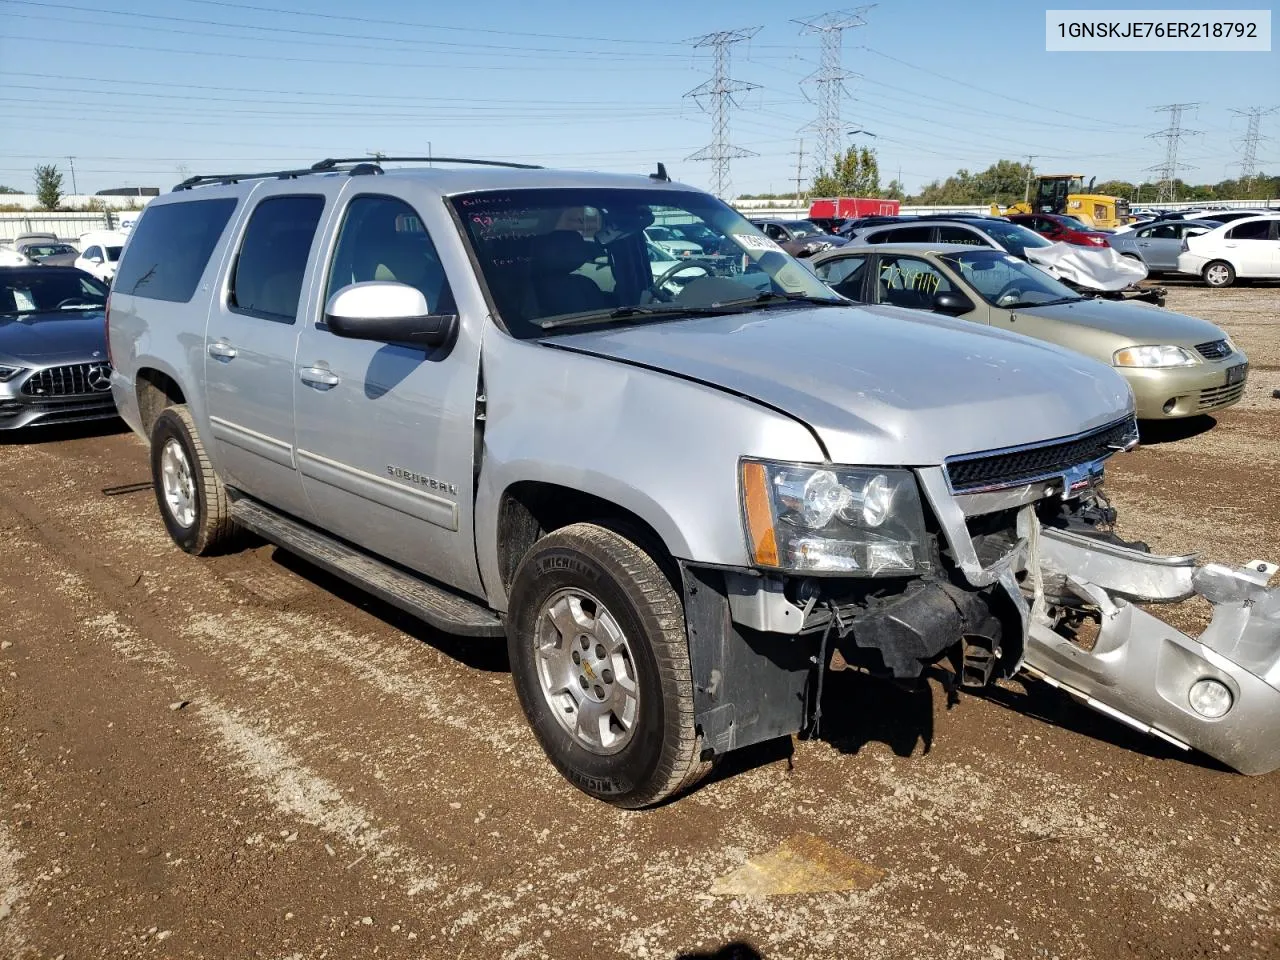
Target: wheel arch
(155, 389)
(529, 509)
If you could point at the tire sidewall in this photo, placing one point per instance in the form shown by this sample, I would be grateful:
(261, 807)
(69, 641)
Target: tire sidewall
(1231, 274)
(553, 567)
(169, 426)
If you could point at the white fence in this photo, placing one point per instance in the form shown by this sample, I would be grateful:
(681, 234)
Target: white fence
(67, 226)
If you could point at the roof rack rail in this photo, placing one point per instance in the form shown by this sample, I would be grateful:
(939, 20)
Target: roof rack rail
(331, 162)
(352, 165)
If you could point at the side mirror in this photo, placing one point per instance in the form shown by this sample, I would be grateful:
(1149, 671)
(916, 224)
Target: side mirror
(387, 311)
(952, 304)
(96, 260)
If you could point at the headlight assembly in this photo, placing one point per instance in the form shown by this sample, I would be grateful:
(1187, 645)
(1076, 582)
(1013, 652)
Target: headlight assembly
(856, 521)
(1157, 356)
(8, 372)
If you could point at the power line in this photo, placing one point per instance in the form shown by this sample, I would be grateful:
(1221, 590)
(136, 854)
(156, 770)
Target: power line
(720, 90)
(602, 62)
(1248, 161)
(426, 26)
(1172, 135)
(996, 93)
(830, 76)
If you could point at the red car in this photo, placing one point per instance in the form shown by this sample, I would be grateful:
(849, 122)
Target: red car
(1060, 229)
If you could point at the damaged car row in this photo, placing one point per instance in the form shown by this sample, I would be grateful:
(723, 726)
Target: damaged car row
(681, 496)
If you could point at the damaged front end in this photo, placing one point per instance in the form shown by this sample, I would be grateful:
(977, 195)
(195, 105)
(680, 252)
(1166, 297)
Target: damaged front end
(1082, 593)
(1018, 571)
(1218, 692)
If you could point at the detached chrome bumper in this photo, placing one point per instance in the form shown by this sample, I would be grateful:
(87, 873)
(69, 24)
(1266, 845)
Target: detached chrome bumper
(1141, 670)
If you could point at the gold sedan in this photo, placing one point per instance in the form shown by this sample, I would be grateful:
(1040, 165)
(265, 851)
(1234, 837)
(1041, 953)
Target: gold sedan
(1176, 365)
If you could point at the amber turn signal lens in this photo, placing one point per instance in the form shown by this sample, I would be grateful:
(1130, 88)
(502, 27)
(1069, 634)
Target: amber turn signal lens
(755, 494)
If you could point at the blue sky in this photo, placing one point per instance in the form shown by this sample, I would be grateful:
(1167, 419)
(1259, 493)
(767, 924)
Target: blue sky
(140, 91)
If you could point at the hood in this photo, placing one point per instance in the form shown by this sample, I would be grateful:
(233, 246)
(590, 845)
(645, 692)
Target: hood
(46, 337)
(1137, 322)
(881, 385)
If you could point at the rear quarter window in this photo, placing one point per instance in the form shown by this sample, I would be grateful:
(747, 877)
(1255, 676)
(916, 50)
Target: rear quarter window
(170, 248)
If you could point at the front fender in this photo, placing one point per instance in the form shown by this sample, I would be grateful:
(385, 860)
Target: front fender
(663, 448)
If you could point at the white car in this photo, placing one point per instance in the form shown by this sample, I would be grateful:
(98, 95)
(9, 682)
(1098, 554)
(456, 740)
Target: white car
(1241, 249)
(99, 253)
(672, 242)
(12, 258)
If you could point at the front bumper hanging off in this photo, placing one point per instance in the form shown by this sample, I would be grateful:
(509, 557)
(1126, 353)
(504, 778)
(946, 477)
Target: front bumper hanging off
(1140, 669)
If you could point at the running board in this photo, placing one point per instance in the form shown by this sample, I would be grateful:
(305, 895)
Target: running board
(434, 605)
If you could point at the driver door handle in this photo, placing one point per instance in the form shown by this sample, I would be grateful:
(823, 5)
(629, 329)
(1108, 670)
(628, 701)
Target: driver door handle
(221, 350)
(319, 377)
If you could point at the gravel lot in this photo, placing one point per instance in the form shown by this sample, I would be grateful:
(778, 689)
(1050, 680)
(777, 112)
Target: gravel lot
(238, 758)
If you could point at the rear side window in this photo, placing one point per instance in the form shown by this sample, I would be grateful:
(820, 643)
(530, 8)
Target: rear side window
(170, 248)
(961, 235)
(903, 235)
(1256, 230)
(267, 279)
(843, 275)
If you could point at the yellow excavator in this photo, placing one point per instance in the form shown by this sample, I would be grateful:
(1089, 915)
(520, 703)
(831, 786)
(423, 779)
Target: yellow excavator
(1065, 193)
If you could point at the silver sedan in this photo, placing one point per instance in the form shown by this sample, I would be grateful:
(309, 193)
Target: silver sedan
(1158, 244)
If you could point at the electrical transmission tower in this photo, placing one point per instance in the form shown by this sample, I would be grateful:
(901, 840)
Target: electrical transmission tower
(1172, 135)
(830, 76)
(720, 90)
(1248, 161)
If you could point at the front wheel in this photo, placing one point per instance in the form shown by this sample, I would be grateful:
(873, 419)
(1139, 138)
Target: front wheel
(1219, 273)
(600, 662)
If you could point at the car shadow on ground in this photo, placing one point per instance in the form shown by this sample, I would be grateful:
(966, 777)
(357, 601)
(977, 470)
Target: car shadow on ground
(858, 710)
(730, 951)
(1155, 432)
(480, 653)
(57, 432)
(1039, 701)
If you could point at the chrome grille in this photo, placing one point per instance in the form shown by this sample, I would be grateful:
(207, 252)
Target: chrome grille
(1220, 396)
(1214, 349)
(70, 380)
(1007, 468)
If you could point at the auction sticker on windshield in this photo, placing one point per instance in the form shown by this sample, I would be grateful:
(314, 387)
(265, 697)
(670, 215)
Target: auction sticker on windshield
(753, 242)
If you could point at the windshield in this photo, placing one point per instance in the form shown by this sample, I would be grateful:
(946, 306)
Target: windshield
(46, 249)
(801, 228)
(1012, 237)
(49, 289)
(551, 257)
(1005, 281)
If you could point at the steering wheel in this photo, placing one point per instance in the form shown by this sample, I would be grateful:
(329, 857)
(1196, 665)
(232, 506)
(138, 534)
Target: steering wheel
(1007, 290)
(74, 300)
(660, 283)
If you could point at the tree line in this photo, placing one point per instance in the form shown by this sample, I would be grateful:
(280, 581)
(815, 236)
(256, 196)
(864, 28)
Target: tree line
(856, 173)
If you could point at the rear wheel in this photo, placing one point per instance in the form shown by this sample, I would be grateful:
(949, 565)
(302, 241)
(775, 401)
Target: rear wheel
(193, 503)
(600, 662)
(1219, 273)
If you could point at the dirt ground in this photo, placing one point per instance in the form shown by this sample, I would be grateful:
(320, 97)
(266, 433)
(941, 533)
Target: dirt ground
(237, 757)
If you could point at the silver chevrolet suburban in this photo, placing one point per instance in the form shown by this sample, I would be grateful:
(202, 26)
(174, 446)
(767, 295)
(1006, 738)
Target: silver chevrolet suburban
(682, 495)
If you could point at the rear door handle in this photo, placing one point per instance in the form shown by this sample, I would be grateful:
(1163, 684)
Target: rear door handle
(221, 350)
(320, 377)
